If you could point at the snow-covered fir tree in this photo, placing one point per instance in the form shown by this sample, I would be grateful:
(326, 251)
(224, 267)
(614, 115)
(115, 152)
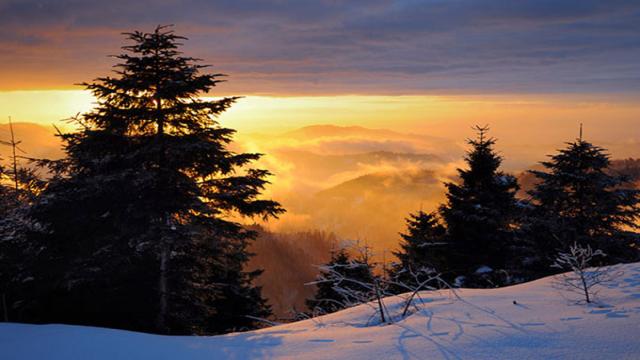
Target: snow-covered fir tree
(578, 200)
(480, 214)
(343, 280)
(142, 213)
(422, 250)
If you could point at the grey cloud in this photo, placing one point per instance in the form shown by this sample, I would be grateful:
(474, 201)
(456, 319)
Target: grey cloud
(380, 46)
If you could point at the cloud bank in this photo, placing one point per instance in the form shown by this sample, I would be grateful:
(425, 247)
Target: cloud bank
(342, 47)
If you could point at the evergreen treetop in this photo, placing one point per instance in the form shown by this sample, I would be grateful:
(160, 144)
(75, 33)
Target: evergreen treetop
(422, 247)
(481, 211)
(149, 189)
(577, 199)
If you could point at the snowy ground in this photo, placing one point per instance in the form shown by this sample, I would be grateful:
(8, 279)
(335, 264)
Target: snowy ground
(480, 324)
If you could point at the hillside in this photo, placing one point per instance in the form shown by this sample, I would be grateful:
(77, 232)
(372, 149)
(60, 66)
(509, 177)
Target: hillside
(354, 139)
(330, 166)
(475, 324)
(373, 207)
(37, 141)
(277, 254)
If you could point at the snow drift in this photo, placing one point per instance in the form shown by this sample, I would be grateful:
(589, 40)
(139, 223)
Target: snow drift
(528, 321)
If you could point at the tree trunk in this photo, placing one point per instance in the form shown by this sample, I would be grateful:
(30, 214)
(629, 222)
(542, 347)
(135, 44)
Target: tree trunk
(162, 289)
(380, 305)
(4, 308)
(164, 251)
(585, 288)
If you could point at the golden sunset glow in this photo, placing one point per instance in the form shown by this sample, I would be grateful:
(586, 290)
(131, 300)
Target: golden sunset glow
(518, 120)
(44, 107)
(407, 113)
(423, 124)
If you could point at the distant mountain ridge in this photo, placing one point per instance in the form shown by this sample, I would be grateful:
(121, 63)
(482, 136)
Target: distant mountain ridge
(37, 141)
(381, 182)
(340, 140)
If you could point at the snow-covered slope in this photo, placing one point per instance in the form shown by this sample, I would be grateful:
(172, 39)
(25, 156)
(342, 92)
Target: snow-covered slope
(480, 324)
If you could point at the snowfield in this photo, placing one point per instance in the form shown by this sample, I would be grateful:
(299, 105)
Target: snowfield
(543, 323)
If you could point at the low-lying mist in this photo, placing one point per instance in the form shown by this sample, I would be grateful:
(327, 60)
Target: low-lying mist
(355, 182)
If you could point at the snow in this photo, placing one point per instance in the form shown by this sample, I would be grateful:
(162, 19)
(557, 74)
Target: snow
(484, 269)
(527, 321)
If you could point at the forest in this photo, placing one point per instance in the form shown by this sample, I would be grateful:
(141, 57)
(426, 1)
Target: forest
(151, 220)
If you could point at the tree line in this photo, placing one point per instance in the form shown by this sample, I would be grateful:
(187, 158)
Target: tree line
(139, 226)
(485, 236)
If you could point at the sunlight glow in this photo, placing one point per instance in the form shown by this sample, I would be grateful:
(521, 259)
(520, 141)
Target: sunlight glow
(512, 118)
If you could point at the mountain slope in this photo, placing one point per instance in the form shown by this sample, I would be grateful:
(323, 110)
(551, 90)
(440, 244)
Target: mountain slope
(37, 141)
(479, 324)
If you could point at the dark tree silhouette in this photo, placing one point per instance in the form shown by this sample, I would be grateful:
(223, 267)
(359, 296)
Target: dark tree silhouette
(19, 187)
(423, 248)
(333, 291)
(577, 200)
(142, 214)
(480, 214)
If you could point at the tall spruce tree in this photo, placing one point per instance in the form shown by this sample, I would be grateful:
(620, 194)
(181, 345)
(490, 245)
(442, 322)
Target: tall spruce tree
(342, 265)
(423, 247)
(578, 200)
(142, 214)
(480, 214)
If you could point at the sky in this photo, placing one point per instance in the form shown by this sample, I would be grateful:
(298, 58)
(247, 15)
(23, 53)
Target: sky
(330, 47)
(534, 70)
(380, 63)
(434, 66)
